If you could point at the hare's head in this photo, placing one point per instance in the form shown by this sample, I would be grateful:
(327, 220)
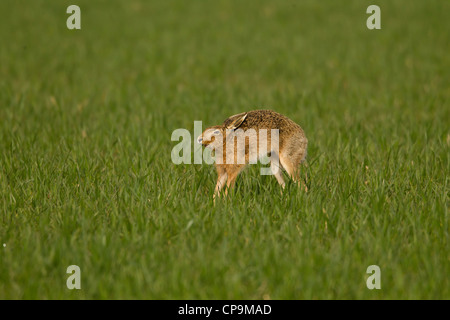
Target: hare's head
(214, 136)
(234, 122)
(210, 135)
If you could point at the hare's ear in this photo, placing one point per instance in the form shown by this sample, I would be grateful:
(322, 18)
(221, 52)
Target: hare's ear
(238, 121)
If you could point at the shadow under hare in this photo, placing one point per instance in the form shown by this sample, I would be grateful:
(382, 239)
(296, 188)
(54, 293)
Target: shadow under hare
(247, 137)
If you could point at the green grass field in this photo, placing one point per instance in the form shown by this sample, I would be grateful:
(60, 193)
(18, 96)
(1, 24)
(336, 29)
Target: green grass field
(86, 176)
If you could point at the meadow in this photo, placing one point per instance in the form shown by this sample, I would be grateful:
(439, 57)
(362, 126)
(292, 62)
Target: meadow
(86, 176)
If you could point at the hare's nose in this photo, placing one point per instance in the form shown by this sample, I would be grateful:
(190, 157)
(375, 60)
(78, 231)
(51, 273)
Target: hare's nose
(199, 140)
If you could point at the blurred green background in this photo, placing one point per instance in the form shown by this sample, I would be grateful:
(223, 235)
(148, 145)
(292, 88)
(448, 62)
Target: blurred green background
(86, 176)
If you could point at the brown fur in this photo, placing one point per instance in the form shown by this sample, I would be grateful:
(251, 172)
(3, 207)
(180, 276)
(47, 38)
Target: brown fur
(291, 140)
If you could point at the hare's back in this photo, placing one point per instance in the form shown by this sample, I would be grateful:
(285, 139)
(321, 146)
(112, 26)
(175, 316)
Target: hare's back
(263, 119)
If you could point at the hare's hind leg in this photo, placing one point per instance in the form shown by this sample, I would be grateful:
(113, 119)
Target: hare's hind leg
(291, 163)
(275, 168)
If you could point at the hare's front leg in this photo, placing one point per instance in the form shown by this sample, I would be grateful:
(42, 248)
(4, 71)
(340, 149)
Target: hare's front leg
(222, 177)
(232, 173)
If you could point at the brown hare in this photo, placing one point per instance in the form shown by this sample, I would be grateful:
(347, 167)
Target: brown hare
(258, 133)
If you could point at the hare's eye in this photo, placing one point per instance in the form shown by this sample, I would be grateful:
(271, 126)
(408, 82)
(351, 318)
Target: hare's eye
(216, 132)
